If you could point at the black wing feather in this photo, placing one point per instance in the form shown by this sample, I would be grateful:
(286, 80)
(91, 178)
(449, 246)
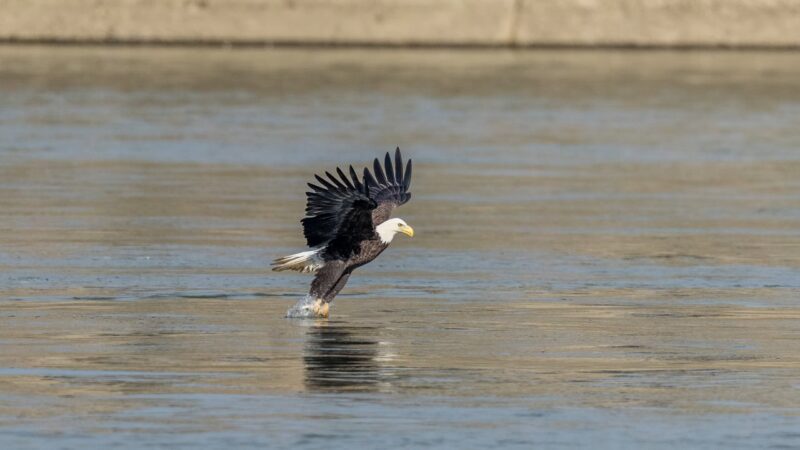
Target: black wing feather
(330, 207)
(356, 181)
(315, 187)
(336, 181)
(344, 178)
(355, 227)
(389, 169)
(368, 178)
(379, 176)
(324, 183)
(388, 188)
(406, 176)
(398, 164)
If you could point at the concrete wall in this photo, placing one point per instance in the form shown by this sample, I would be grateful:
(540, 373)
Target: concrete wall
(701, 23)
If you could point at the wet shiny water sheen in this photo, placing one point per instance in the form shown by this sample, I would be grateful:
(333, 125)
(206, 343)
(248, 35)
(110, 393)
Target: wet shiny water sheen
(607, 249)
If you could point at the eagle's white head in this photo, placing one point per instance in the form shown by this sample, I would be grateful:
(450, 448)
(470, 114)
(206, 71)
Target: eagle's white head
(388, 229)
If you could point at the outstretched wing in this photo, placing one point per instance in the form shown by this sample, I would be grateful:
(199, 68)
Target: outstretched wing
(388, 188)
(331, 206)
(354, 228)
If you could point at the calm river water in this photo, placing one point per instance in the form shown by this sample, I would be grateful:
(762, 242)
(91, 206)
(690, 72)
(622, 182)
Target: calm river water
(607, 249)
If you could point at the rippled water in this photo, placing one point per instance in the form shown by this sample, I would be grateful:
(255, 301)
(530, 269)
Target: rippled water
(607, 249)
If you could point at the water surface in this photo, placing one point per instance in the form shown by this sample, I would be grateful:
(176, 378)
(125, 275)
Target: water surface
(607, 249)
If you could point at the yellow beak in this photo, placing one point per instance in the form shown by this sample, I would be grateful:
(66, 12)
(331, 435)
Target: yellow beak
(405, 229)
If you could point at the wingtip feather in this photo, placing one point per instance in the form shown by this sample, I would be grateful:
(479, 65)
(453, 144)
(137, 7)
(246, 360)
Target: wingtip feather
(387, 162)
(407, 176)
(344, 178)
(398, 166)
(379, 176)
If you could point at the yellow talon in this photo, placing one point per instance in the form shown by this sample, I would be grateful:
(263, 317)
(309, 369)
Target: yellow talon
(321, 308)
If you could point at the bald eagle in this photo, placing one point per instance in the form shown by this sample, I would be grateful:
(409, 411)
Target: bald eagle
(347, 225)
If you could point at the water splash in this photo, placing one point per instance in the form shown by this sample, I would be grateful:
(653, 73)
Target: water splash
(303, 309)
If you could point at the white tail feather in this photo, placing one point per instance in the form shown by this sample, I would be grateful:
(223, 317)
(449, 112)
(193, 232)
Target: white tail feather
(305, 262)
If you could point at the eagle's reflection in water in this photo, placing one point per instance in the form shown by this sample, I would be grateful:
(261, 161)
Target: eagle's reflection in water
(339, 357)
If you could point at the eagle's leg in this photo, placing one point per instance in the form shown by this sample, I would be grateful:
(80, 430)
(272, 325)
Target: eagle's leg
(337, 287)
(329, 281)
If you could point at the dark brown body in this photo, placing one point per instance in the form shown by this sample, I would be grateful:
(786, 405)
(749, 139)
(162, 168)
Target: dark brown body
(332, 277)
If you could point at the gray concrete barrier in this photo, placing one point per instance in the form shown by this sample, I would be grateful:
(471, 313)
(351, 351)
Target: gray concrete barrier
(669, 23)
